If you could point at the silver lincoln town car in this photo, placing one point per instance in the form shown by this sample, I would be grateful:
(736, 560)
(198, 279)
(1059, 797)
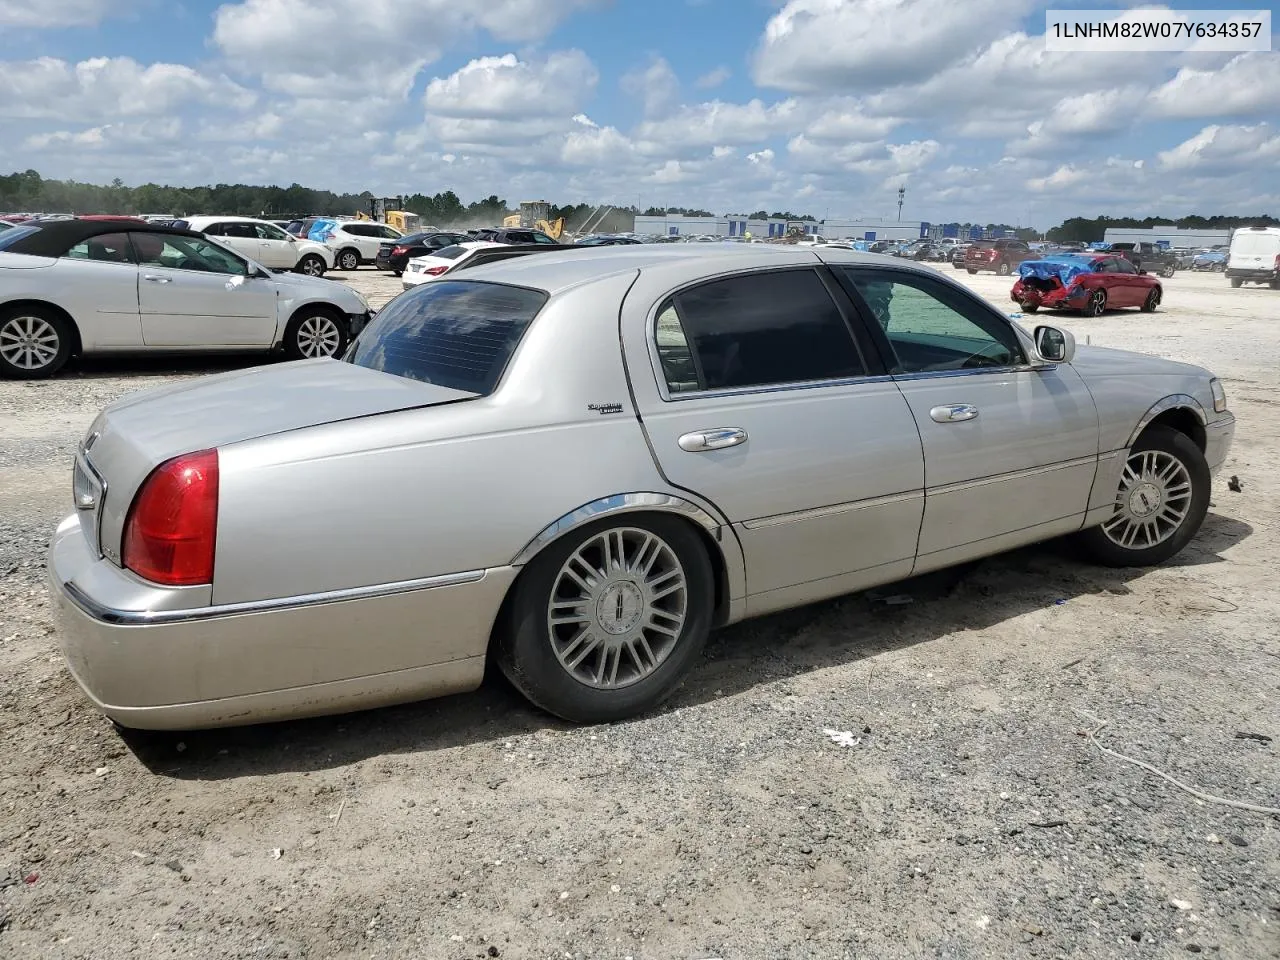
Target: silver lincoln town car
(579, 463)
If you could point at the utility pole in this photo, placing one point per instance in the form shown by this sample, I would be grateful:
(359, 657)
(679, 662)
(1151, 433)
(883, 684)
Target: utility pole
(902, 195)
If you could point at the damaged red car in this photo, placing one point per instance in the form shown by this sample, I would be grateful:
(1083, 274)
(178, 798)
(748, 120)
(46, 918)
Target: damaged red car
(1089, 283)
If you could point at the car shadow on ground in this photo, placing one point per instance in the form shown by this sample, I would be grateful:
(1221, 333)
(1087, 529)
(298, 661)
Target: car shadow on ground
(738, 658)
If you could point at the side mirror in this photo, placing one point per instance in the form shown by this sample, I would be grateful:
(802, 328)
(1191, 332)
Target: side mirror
(1054, 345)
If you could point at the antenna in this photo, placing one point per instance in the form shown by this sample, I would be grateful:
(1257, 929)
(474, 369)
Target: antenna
(902, 195)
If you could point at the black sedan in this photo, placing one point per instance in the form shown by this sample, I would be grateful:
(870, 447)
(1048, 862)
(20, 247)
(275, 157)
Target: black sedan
(394, 254)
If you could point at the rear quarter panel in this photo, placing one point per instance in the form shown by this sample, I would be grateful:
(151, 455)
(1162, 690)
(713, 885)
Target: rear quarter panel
(460, 487)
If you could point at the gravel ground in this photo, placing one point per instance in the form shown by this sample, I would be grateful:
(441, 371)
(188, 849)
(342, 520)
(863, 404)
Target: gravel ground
(964, 816)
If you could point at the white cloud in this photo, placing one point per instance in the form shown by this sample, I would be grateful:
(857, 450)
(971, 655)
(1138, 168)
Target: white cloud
(508, 88)
(713, 78)
(595, 147)
(1249, 84)
(108, 88)
(360, 48)
(839, 45)
(51, 14)
(846, 121)
(1087, 115)
(707, 124)
(1223, 149)
(656, 86)
(147, 132)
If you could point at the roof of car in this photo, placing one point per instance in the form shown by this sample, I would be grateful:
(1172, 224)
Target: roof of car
(53, 238)
(236, 219)
(556, 270)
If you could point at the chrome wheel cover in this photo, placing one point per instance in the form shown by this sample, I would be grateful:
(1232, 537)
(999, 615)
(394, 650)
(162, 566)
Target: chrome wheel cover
(312, 266)
(350, 261)
(617, 608)
(29, 343)
(1097, 303)
(1152, 503)
(318, 336)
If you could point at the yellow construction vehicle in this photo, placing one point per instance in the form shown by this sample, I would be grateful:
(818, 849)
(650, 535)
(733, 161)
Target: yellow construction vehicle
(383, 210)
(534, 215)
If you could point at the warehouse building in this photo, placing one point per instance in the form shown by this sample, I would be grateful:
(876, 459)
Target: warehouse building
(676, 225)
(1169, 236)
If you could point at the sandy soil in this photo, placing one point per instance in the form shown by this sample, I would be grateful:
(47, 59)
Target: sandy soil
(728, 824)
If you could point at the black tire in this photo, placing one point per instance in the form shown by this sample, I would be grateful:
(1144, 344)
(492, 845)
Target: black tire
(1004, 269)
(958, 266)
(312, 265)
(1153, 300)
(1029, 307)
(1219, 267)
(1274, 284)
(348, 259)
(971, 271)
(398, 273)
(35, 342)
(1168, 272)
(1235, 282)
(316, 332)
(527, 657)
(1096, 305)
(1102, 549)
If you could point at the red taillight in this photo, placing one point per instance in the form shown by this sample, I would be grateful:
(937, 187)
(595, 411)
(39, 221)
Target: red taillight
(172, 526)
(435, 271)
(1277, 264)
(399, 251)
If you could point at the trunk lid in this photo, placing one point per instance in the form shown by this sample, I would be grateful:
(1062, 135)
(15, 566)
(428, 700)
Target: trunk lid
(134, 435)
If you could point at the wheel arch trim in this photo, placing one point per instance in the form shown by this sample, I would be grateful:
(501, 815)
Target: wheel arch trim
(1175, 401)
(613, 505)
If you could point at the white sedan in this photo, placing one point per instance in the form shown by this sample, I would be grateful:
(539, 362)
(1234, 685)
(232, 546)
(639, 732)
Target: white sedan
(433, 267)
(80, 286)
(266, 244)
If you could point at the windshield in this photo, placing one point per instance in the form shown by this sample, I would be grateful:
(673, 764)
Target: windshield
(456, 334)
(12, 235)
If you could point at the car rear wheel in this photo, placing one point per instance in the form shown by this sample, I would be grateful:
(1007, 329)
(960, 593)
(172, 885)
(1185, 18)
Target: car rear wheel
(1003, 269)
(311, 265)
(1235, 282)
(315, 333)
(1153, 300)
(349, 260)
(1096, 305)
(604, 624)
(1029, 306)
(34, 342)
(1160, 504)
(1167, 272)
(971, 270)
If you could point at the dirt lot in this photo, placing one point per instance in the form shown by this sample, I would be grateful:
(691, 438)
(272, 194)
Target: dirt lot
(967, 818)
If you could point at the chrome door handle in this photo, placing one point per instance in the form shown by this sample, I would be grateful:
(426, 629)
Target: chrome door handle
(155, 279)
(953, 413)
(717, 439)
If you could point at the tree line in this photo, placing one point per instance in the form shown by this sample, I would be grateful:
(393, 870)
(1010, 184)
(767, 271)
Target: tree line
(28, 191)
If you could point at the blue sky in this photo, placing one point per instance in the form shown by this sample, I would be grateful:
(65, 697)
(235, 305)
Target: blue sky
(818, 106)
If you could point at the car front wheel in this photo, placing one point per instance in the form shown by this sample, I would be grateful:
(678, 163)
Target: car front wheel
(35, 342)
(1097, 304)
(1153, 300)
(313, 334)
(1160, 505)
(604, 624)
(311, 265)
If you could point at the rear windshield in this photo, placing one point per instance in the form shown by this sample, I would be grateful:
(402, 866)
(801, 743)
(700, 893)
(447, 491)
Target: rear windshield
(11, 236)
(450, 253)
(453, 333)
(983, 244)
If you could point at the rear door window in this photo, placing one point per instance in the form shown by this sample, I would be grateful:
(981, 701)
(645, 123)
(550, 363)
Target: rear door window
(755, 330)
(456, 334)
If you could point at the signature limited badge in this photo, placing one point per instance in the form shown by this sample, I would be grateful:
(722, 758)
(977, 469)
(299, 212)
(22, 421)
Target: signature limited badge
(603, 408)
